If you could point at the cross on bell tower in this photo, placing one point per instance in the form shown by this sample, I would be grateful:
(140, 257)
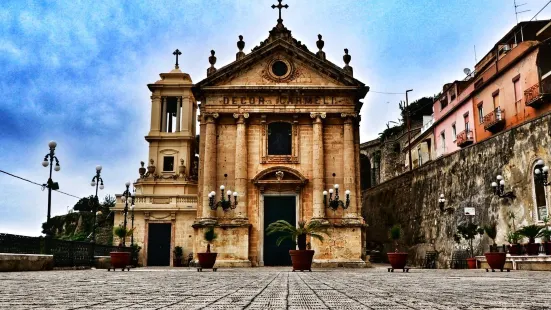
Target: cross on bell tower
(279, 7)
(177, 53)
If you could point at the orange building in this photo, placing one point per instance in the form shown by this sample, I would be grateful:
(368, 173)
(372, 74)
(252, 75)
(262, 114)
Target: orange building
(513, 81)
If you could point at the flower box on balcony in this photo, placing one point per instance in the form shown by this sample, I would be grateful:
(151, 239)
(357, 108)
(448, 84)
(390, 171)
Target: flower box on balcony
(465, 138)
(495, 120)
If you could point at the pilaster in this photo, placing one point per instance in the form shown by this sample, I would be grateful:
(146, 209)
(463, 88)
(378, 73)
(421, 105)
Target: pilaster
(241, 164)
(155, 114)
(317, 165)
(349, 160)
(209, 170)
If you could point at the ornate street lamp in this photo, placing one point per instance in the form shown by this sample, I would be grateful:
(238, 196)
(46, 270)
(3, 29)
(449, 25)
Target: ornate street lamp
(97, 182)
(226, 205)
(51, 185)
(334, 203)
(499, 188)
(126, 198)
(541, 173)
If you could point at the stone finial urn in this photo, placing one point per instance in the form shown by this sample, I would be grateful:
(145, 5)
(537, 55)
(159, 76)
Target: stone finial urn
(182, 168)
(142, 169)
(151, 168)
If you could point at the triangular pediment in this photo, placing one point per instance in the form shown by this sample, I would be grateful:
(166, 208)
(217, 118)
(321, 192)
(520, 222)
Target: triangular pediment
(301, 68)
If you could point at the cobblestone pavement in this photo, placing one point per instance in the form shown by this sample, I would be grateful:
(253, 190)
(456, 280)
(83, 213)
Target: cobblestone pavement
(275, 288)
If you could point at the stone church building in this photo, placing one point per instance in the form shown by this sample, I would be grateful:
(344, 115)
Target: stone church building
(278, 127)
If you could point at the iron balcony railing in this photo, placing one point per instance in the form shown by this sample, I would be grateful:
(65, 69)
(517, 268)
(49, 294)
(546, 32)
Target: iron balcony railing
(536, 93)
(464, 138)
(494, 119)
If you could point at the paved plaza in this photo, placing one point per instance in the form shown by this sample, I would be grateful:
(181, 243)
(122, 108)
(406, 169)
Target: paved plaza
(275, 288)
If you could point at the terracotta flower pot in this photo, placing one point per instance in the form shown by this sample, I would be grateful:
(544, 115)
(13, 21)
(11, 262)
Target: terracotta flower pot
(177, 262)
(514, 249)
(471, 263)
(496, 260)
(120, 259)
(302, 259)
(207, 260)
(398, 260)
(532, 248)
(547, 247)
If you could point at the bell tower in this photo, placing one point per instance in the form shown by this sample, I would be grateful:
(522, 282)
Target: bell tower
(166, 191)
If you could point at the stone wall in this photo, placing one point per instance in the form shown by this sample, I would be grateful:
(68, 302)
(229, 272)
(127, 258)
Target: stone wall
(464, 178)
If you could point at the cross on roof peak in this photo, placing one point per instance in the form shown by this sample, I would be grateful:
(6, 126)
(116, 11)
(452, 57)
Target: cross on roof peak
(279, 6)
(177, 53)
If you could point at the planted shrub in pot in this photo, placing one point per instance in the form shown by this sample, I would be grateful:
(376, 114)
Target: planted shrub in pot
(469, 232)
(397, 259)
(120, 259)
(495, 259)
(513, 237)
(208, 259)
(531, 232)
(177, 254)
(301, 258)
(546, 236)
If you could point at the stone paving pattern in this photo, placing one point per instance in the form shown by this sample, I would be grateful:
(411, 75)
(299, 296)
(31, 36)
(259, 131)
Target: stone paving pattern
(275, 288)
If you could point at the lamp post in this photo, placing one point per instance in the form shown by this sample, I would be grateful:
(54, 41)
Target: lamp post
(499, 188)
(409, 128)
(51, 185)
(97, 182)
(132, 219)
(541, 173)
(126, 198)
(334, 203)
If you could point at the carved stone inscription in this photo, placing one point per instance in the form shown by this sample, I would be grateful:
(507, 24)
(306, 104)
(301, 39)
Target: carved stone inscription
(288, 100)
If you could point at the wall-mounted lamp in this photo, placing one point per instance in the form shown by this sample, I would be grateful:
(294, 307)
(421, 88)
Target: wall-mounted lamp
(541, 172)
(226, 205)
(499, 188)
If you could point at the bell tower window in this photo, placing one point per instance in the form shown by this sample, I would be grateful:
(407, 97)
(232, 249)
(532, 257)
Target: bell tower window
(280, 138)
(168, 163)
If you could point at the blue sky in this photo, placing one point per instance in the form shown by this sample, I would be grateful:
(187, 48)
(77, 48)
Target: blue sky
(76, 72)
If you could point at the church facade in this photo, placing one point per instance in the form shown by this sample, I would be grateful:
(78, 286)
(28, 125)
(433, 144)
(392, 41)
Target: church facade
(279, 138)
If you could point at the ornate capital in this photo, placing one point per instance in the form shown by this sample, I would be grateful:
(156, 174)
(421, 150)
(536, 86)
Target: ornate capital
(209, 117)
(241, 117)
(318, 115)
(349, 118)
(146, 216)
(173, 216)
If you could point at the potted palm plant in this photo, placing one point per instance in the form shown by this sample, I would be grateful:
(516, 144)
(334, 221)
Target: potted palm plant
(495, 259)
(301, 258)
(177, 253)
(397, 259)
(121, 259)
(546, 236)
(208, 259)
(513, 237)
(531, 232)
(469, 232)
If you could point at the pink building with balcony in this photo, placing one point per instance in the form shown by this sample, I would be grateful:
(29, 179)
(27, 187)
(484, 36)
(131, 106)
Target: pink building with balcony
(453, 117)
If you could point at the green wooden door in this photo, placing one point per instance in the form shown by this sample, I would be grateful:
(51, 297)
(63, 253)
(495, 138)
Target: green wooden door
(278, 208)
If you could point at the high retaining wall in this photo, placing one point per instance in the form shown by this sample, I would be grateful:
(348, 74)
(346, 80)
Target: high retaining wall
(464, 177)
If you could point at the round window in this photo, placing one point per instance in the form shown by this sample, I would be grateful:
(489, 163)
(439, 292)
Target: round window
(279, 68)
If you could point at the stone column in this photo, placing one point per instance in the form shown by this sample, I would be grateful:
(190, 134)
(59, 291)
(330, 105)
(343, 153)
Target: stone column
(163, 114)
(210, 160)
(349, 161)
(155, 114)
(178, 112)
(241, 165)
(317, 166)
